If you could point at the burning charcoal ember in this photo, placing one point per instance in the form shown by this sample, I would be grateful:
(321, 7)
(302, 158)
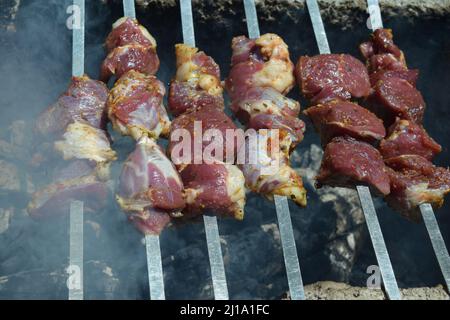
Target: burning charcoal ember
(150, 189)
(54, 199)
(216, 188)
(84, 100)
(267, 171)
(340, 118)
(406, 137)
(348, 162)
(197, 122)
(211, 185)
(327, 77)
(415, 180)
(135, 106)
(82, 141)
(261, 74)
(196, 83)
(130, 47)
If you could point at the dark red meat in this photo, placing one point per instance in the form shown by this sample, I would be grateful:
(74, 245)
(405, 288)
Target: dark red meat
(347, 162)
(407, 138)
(84, 100)
(343, 118)
(415, 180)
(329, 76)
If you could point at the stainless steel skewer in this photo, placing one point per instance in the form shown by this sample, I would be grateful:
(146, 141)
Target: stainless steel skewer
(281, 203)
(152, 245)
(384, 262)
(76, 218)
(426, 209)
(211, 227)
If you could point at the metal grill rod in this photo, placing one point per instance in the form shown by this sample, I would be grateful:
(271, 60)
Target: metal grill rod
(76, 207)
(281, 203)
(211, 227)
(426, 209)
(384, 262)
(152, 245)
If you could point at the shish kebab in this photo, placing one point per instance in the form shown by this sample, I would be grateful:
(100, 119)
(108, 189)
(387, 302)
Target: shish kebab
(331, 81)
(357, 150)
(425, 209)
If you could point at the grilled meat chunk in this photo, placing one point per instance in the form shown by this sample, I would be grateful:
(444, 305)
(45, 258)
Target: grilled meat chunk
(150, 189)
(136, 108)
(327, 77)
(407, 138)
(262, 62)
(79, 180)
(215, 188)
(415, 180)
(267, 170)
(130, 47)
(84, 100)
(347, 162)
(197, 82)
(200, 123)
(343, 118)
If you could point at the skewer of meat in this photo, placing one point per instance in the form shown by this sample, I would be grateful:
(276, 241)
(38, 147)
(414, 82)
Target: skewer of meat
(150, 190)
(348, 160)
(407, 150)
(260, 76)
(196, 99)
(75, 125)
(348, 131)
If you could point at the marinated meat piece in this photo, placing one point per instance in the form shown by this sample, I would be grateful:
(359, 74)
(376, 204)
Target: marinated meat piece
(290, 126)
(415, 180)
(130, 57)
(385, 61)
(395, 97)
(54, 200)
(262, 62)
(407, 138)
(198, 123)
(130, 47)
(332, 76)
(135, 106)
(150, 189)
(347, 162)
(84, 100)
(342, 118)
(259, 100)
(197, 82)
(381, 75)
(82, 141)
(128, 31)
(267, 170)
(381, 42)
(215, 188)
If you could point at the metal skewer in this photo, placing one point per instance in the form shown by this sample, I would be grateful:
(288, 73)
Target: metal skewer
(281, 203)
(152, 245)
(211, 227)
(426, 209)
(384, 262)
(76, 207)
